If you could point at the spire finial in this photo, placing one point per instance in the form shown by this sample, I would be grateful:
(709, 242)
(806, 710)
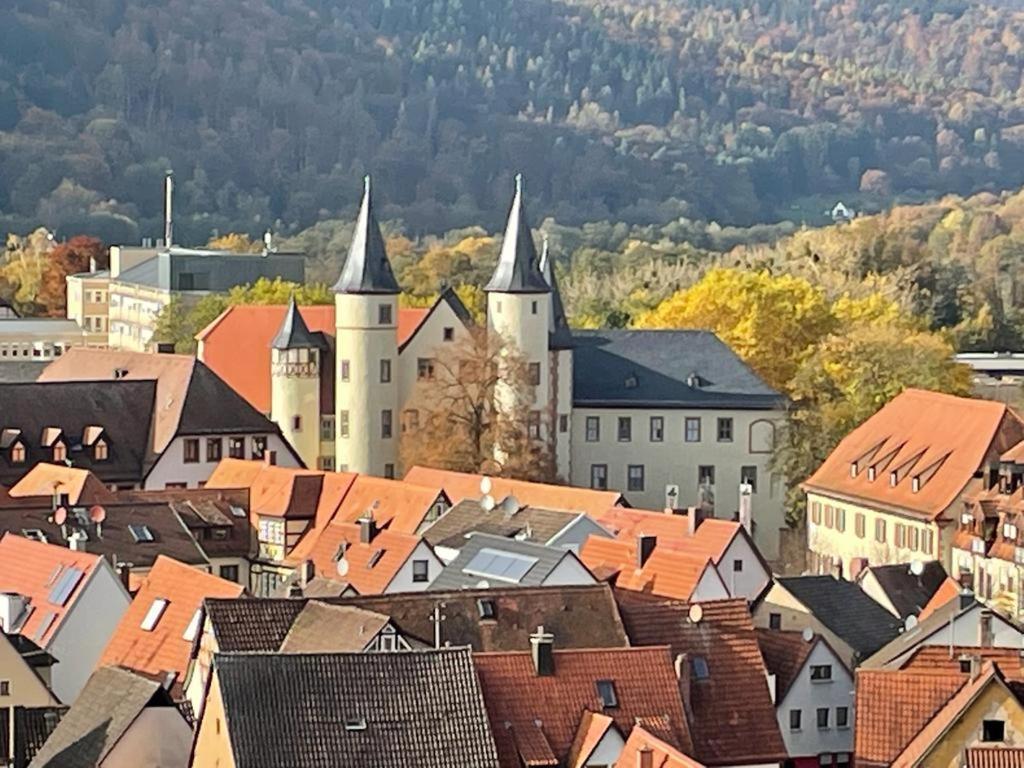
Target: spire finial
(366, 184)
(519, 184)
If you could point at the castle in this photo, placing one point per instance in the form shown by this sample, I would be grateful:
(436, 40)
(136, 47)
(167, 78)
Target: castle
(670, 418)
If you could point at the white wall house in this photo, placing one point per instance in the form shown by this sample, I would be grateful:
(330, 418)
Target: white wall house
(188, 461)
(406, 578)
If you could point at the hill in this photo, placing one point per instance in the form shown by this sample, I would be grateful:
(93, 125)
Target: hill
(637, 111)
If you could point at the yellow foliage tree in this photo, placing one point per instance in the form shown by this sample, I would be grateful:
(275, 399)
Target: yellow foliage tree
(236, 242)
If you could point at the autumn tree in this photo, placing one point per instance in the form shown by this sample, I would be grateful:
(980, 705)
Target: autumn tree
(79, 254)
(454, 420)
(236, 242)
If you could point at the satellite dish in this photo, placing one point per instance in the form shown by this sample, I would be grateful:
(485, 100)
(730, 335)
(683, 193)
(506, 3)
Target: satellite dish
(910, 622)
(485, 485)
(60, 516)
(807, 634)
(917, 567)
(483, 584)
(696, 613)
(97, 514)
(343, 568)
(487, 503)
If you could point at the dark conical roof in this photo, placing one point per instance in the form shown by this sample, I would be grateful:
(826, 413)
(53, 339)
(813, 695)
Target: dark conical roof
(367, 269)
(294, 333)
(559, 335)
(518, 270)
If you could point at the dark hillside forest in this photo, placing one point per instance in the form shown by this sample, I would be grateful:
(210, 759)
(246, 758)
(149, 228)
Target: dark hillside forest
(633, 111)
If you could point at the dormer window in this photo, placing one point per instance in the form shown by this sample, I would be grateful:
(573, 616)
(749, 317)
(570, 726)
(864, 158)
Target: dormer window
(853, 469)
(60, 451)
(17, 453)
(1009, 531)
(100, 451)
(871, 473)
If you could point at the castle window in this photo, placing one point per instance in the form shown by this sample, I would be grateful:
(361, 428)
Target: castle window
(425, 369)
(635, 477)
(724, 430)
(343, 423)
(625, 429)
(385, 371)
(190, 447)
(346, 370)
(389, 471)
(534, 374)
(533, 425)
(384, 314)
(411, 422)
(214, 448)
(593, 429)
(259, 447)
(533, 308)
(296, 423)
(599, 477)
(385, 423)
(326, 427)
(236, 447)
(449, 334)
(563, 423)
(657, 429)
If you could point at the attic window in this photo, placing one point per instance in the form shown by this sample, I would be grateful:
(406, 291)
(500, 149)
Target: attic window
(355, 723)
(35, 534)
(700, 668)
(100, 452)
(915, 484)
(156, 610)
(486, 608)
(141, 533)
(18, 453)
(60, 451)
(193, 627)
(606, 690)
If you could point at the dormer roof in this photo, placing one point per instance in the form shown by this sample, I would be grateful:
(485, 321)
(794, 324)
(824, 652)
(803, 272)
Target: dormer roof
(367, 269)
(518, 269)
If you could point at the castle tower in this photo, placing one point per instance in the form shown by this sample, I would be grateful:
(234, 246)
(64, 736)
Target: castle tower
(366, 358)
(519, 311)
(560, 362)
(296, 357)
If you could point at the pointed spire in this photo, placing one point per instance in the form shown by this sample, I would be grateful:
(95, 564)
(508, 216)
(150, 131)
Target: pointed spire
(367, 269)
(559, 335)
(293, 333)
(518, 270)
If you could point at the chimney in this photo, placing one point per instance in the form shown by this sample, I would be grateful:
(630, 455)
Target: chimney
(124, 570)
(693, 519)
(77, 541)
(645, 757)
(966, 598)
(685, 678)
(367, 529)
(746, 513)
(644, 548)
(976, 663)
(12, 606)
(168, 211)
(985, 634)
(306, 573)
(542, 645)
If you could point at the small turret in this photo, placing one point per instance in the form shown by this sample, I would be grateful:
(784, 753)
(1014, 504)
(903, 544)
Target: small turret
(295, 357)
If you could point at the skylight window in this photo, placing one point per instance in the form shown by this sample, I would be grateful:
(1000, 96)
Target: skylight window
(504, 566)
(238, 511)
(700, 668)
(355, 724)
(44, 626)
(34, 533)
(606, 690)
(193, 626)
(141, 533)
(375, 558)
(65, 585)
(156, 610)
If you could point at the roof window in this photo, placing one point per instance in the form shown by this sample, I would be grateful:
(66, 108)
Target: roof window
(141, 534)
(156, 610)
(700, 668)
(486, 608)
(606, 690)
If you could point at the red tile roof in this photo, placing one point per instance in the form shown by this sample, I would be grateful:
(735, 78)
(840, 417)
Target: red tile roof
(995, 757)
(733, 716)
(536, 718)
(32, 569)
(236, 345)
(948, 590)
(44, 480)
(592, 728)
(282, 491)
(893, 706)
(663, 754)
(785, 654)
(461, 485)
(940, 439)
(369, 568)
(164, 649)
(628, 523)
(937, 658)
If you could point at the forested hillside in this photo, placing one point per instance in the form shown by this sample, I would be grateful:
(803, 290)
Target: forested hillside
(634, 111)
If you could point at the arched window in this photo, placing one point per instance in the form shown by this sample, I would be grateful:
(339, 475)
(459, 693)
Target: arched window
(762, 436)
(60, 451)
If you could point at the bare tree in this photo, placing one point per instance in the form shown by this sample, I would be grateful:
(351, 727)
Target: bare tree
(454, 421)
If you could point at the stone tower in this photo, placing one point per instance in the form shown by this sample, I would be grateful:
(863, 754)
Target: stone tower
(519, 311)
(560, 363)
(296, 356)
(366, 357)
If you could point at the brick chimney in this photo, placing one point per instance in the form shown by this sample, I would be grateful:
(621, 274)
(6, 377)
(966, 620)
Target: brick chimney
(542, 646)
(645, 757)
(694, 517)
(367, 529)
(12, 606)
(644, 548)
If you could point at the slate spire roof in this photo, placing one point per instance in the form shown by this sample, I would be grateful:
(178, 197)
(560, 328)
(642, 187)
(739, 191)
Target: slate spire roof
(518, 269)
(558, 330)
(294, 333)
(367, 269)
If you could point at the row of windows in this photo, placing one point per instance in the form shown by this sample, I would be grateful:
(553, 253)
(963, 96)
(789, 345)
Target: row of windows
(215, 448)
(635, 476)
(904, 536)
(386, 424)
(17, 454)
(823, 718)
(692, 428)
(44, 351)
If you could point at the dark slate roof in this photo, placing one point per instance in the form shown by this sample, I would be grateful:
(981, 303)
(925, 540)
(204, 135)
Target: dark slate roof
(455, 577)
(294, 333)
(559, 336)
(108, 704)
(908, 593)
(677, 369)
(13, 371)
(422, 708)
(580, 616)
(123, 408)
(213, 407)
(32, 727)
(518, 269)
(530, 523)
(367, 269)
(846, 610)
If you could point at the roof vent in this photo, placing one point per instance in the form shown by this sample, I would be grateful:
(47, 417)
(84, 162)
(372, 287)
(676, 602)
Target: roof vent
(355, 723)
(120, 373)
(632, 382)
(695, 381)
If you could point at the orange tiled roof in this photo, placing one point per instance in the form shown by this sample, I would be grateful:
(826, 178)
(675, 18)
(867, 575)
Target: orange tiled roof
(461, 485)
(164, 649)
(995, 757)
(236, 345)
(517, 699)
(948, 590)
(593, 727)
(670, 571)
(32, 569)
(893, 706)
(937, 658)
(43, 480)
(712, 538)
(400, 505)
(663, 754)
(370, 567)
(281, 491)
(939, 439)
(172, 374)
(1015, 454)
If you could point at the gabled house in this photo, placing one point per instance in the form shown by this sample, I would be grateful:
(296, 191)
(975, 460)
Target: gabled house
(813, 694)
(120, 718)
(66, 602)
(156, 633)
(644, 748)
(908, 718)
(422, 708)
(903, 589)
(854, 625)
(544, 703)
(486, 560)
(325, 628)
(174, 420)
(722, 677)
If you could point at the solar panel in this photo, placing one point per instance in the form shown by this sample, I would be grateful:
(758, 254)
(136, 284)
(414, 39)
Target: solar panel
(140, 533)
(44, 627)
(65, 585)
(496, 564)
